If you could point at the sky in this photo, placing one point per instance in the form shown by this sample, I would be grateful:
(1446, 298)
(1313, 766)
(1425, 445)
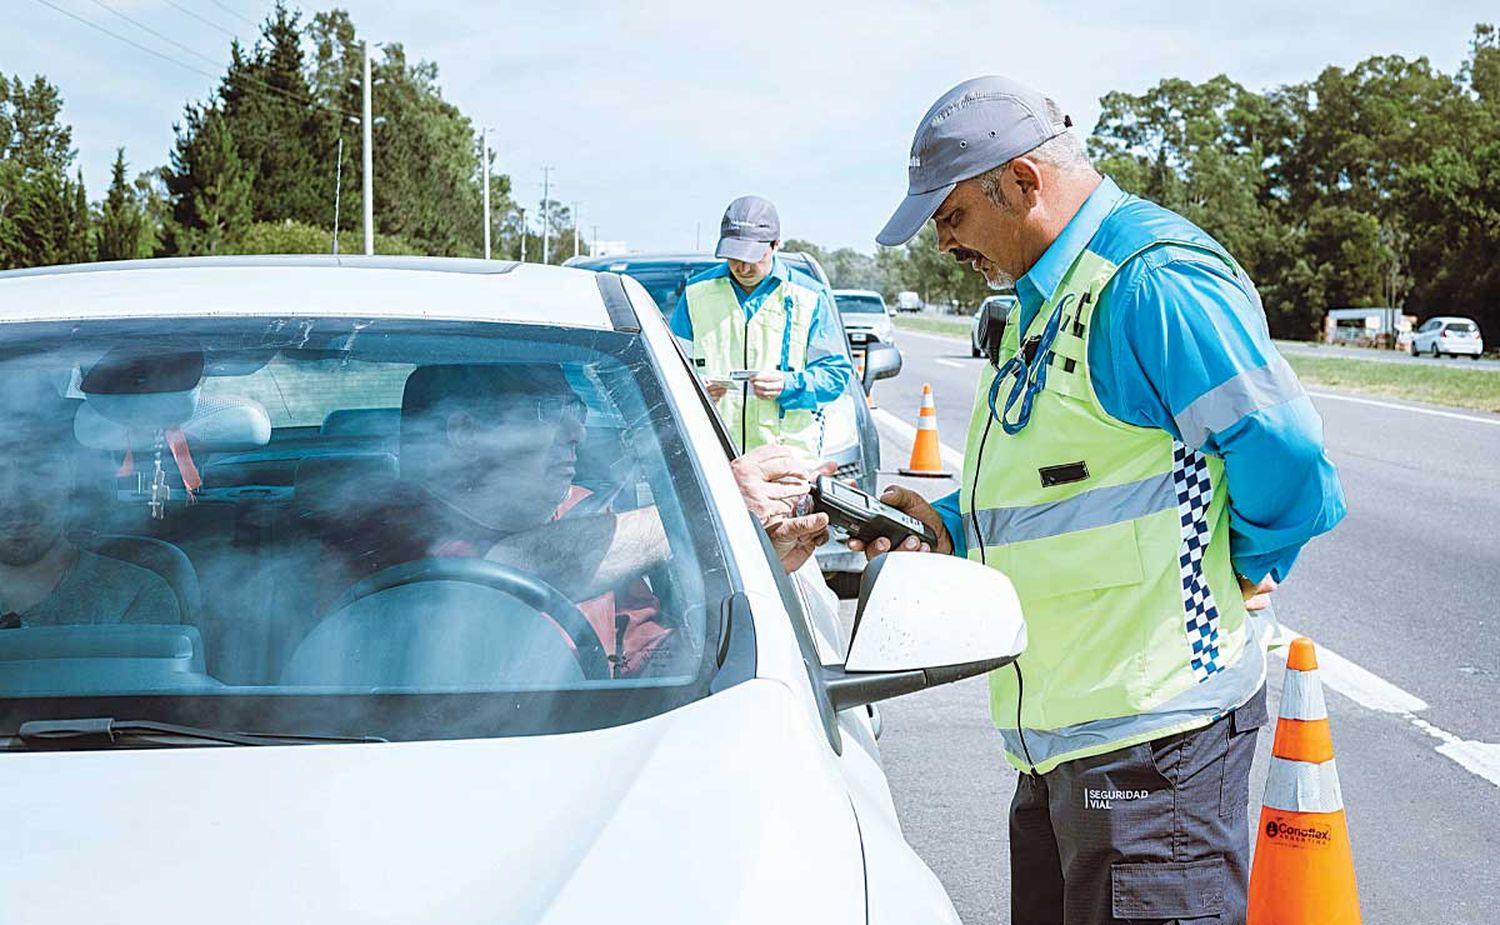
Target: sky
(654, 115)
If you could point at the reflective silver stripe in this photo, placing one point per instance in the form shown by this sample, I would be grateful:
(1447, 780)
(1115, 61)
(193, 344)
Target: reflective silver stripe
(1223, 691)
(1303, 787)
(1221, 406)
(1302, 696)
(1097, 507)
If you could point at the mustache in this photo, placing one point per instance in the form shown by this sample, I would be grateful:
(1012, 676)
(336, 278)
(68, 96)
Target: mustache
(964, 255)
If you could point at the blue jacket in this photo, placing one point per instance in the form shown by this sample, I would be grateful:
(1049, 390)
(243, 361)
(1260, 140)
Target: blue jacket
(828, 366)
(1180, 344)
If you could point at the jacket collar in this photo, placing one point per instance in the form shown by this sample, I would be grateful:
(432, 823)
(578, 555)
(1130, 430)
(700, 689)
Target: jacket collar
(1043, 278)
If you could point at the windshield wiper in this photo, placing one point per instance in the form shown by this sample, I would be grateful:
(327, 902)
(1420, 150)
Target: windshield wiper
(106, 730)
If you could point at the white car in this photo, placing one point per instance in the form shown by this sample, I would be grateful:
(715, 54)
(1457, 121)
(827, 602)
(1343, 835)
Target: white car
(1450, 335)
(418, 590)
(866, 318)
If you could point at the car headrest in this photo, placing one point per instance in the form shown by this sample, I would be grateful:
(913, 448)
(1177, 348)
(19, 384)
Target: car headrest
(217, 424)
(362, 422)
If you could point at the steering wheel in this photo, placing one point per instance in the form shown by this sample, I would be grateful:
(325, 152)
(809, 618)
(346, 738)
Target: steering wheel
(525, 587)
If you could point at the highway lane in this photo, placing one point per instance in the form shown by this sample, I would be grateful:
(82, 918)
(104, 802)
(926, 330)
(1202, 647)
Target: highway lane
(1405, 587)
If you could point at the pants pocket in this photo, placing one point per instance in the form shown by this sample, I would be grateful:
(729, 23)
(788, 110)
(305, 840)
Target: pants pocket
(1167, 890)
(1239, 753)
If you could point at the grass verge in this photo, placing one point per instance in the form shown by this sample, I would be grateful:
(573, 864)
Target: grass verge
(934, 324)
(1440, 385)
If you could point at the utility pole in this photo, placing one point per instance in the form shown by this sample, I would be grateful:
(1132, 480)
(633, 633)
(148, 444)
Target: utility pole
(484, 161)
(546, 238)
(369, 178)
(594, 246)
(576, 213)
(523, 235)
(338, 187)
(697, 237)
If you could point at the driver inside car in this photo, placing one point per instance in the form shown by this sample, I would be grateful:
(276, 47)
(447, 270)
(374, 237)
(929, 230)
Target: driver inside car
(488, 459)
(46, 579)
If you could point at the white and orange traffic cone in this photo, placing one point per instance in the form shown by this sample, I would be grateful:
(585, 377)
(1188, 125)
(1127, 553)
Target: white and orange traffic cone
(1303, 871)
(926, 458)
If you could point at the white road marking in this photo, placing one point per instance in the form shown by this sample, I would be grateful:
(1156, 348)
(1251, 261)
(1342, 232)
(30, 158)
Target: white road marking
(953, 363)
(903, 432)
(1375, 693)
(1386, 404)
(1364, 687)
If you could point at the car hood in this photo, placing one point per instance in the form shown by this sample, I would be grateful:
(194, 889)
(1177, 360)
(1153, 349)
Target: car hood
(722, 811)
(869, 323)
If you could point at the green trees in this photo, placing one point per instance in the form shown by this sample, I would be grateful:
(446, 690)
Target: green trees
(44, 214)
(122, 231)
(1372, 186)
(256, 168)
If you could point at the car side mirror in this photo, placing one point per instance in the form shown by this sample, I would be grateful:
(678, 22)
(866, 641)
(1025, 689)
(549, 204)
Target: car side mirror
(923, 620)
(882, 361)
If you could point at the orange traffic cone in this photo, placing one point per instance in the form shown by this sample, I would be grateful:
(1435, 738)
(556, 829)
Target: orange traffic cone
(926, 460)
(1304, 869)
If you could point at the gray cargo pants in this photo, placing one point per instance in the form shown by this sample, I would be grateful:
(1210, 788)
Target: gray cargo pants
(1154, 833)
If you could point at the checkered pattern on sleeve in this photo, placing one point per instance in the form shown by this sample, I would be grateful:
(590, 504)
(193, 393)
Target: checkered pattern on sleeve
(1195, 492)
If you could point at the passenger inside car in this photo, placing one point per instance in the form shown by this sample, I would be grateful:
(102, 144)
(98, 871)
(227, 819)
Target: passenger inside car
(489, 454)
(46, 579)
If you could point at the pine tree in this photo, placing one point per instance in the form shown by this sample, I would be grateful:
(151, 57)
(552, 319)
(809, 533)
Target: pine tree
(209, 185)
(283, 138)
(122, 220)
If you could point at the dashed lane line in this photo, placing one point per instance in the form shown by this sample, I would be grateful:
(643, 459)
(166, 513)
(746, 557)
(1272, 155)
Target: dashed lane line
(953, 363)
(1360, 685)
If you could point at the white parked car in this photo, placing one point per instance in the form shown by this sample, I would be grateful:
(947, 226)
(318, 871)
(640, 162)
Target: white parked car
(417, 590)
(1451, 335)
(866, 318)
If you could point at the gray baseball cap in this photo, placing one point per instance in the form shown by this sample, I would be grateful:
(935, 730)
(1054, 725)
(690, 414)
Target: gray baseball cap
(977, 126)
(749, 226)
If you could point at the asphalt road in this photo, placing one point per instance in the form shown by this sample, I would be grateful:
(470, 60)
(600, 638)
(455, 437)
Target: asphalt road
(1402, 598)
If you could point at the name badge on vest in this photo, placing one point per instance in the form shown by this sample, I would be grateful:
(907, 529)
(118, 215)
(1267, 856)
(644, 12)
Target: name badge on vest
(1052, 476)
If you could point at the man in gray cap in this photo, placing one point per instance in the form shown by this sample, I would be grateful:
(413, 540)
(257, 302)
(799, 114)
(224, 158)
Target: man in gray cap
(763, 337)
(1145, 467)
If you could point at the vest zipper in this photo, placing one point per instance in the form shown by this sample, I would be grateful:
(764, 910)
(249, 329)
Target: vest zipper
(745, 386)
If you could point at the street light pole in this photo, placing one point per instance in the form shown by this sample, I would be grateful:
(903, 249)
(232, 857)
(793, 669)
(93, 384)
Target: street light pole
(576, 204)
(594, 246)
(369, 179)
(523, 235)
(484, 161)
(546, 238)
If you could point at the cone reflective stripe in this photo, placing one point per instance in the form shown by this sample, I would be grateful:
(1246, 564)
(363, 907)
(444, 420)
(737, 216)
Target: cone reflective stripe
(1303, 871)
(926, 459)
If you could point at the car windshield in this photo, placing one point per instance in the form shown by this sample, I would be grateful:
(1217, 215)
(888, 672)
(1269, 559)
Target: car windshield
(664, 281)
(321, 526)
(860, 304)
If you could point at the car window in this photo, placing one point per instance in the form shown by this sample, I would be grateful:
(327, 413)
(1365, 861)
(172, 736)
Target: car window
(860, 304)
(324, 526)
(1431, 325)
(1461, 327)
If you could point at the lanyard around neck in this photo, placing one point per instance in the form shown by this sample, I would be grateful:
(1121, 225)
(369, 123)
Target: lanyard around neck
(1030, 373)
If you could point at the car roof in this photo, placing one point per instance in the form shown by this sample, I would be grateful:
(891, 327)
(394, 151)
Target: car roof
(863, 292)
(396, 287)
